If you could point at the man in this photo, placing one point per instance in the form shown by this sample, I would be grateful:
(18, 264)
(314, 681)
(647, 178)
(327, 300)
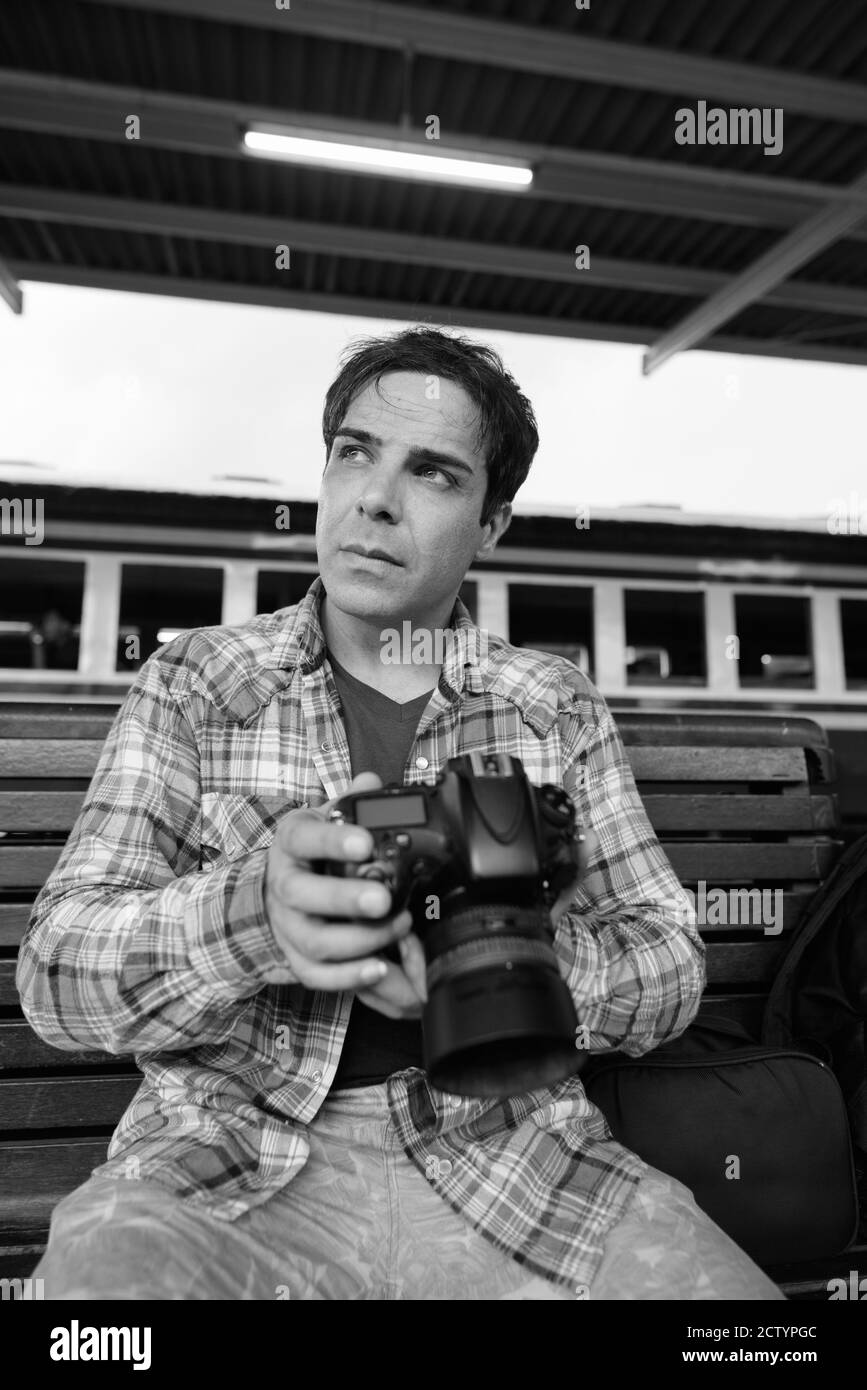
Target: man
(285, 1141)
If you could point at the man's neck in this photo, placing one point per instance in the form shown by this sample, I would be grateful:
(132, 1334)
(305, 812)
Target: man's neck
(359, 646)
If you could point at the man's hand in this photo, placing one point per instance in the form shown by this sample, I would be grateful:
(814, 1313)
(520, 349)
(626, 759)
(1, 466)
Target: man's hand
(331, 928)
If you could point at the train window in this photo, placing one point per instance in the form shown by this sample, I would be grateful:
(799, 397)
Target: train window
(553, 619)
(774, 640)
(40, 614)
(853, 617)
(159, 601)
(665, 636)
(281, 588)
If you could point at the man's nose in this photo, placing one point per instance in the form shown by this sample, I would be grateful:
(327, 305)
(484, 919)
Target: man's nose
(380, 499)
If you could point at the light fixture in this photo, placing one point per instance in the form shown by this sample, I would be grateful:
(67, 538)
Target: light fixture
(403, 159)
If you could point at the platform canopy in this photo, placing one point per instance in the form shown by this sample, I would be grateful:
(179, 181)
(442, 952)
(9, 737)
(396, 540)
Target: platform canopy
(709, 243)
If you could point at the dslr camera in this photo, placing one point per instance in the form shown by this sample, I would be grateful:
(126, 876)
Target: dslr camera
(479, 858)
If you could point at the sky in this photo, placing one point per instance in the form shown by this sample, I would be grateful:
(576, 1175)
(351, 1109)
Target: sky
(143, 391)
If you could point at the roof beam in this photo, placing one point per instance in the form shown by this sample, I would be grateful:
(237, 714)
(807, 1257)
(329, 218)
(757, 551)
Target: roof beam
(10, 290)
(758, 281)
(357, 306)
(538, 49)
(34, 101)
(484, 258)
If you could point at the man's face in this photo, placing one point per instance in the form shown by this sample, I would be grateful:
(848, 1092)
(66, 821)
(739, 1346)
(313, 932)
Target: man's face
(404, 479)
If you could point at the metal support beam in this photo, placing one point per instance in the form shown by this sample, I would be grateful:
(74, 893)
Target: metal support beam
(486, 258)
(358, 306)
(10, 290)
(97, 111)
(758, 280)
(100, 616)
(609, 636)
(538, 49)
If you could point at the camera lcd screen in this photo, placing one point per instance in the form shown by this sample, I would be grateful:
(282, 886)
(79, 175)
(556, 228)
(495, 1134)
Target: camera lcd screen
(391, 810)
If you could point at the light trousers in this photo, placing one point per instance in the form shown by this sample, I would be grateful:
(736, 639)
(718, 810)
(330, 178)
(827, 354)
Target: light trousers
(361, 1222)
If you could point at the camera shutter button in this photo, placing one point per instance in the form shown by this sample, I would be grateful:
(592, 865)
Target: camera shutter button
(402, 840)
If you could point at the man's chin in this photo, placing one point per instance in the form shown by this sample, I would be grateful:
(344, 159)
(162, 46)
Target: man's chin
(369, 597)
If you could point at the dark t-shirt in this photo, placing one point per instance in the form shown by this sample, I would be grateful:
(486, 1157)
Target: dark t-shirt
(380, 733)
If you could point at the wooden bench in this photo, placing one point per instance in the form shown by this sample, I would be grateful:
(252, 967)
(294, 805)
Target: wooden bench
(736, 801)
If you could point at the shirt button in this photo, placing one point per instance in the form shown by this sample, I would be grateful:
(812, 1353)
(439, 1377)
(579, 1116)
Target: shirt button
(317, 1076)
(326, 747)
(446, 1166)
(422, 763)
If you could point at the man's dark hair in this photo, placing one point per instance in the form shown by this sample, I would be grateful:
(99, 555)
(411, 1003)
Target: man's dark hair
(507, 432)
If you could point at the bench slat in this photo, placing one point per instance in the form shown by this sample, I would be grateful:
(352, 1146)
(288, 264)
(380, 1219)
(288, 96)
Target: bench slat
(717, 730)
(36, 1173)
(39, 810)
(23, 1050)
(743, 962)
(13, 922)
(26, 866)
(49, 757)
(56, 719)
(727, 862)
(685, 764)
(65, 1102)
(739, 812)
(8, 992)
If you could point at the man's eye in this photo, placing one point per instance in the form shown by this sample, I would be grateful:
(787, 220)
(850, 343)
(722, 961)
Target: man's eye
(440, 476)
(346, 449)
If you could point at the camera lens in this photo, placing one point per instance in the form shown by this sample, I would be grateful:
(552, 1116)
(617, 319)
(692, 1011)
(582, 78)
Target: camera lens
(499, 1019)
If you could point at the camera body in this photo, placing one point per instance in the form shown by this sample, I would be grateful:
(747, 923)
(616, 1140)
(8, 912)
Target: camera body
(480, 857)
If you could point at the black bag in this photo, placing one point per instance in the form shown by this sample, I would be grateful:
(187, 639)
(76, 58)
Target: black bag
(759, 1135)
(819, 994)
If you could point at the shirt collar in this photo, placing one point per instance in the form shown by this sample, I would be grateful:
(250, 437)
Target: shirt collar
(475, 663)
(301, 641)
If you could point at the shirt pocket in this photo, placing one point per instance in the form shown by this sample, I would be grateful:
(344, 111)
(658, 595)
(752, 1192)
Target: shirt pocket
(235, 824)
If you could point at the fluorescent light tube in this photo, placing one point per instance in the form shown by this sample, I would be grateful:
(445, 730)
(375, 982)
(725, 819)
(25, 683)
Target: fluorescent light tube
(402, 160)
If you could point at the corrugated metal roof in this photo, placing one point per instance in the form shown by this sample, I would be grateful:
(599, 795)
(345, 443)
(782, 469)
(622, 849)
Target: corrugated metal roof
(645, 205)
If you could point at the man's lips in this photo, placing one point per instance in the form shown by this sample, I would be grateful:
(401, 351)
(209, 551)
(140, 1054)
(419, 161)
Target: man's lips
(371, 553)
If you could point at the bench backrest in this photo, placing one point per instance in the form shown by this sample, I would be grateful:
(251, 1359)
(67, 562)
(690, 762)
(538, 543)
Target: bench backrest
(739, 803)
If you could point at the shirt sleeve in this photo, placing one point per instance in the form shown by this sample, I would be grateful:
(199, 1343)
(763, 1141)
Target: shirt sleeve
(629, 945)
(130, 946)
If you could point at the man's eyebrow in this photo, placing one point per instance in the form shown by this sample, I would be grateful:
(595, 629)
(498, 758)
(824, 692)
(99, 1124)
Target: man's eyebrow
(417, 452)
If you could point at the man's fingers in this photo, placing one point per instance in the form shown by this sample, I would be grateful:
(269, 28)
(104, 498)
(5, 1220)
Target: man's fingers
(587, 850)
(339, 941)
(306, 835)
(393, 995)
(365, 782)
(321, 895)
(349, 976)
(413, 962)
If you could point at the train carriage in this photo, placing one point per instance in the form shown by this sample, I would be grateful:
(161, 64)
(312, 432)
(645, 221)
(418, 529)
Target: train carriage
(664, 610)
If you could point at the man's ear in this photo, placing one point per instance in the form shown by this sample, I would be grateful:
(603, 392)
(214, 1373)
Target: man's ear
(495, 529)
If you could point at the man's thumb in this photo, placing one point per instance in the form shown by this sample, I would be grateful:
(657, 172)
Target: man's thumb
(365, 782)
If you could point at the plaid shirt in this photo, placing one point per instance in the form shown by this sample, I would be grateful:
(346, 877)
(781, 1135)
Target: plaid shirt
(150, 937)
